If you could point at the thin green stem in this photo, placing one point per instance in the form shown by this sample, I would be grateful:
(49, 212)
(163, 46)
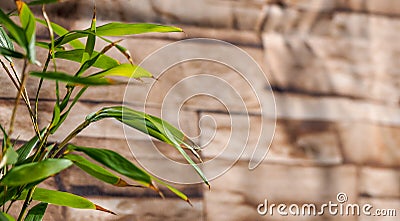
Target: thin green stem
(27, 201)
(73, 134)
(17, 99)
(46, 64)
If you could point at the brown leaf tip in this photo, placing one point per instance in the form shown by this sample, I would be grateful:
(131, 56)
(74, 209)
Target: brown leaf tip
(104, 210)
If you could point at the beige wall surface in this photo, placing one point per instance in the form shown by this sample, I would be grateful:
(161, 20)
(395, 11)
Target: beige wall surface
(333, 67)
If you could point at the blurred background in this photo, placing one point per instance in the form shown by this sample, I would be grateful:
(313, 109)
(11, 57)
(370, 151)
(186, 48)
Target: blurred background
(333, 67)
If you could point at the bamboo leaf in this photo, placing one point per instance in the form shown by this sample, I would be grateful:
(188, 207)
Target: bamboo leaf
(5, 42)
(66, 113)
(36, 213)
(121, 29)
(31, 172)
(59, 30)
(117, 163)
(174, 190)
(60, 76)
(6, 140)
(161, 126)
(116, 29)
(96, 171)
(152, 126)
(25, 150)
(103, 61)
(10, 53)
(9, 157)
(46, 45)
(16, 32)
(29, 26)
(91, 40)
(125, 70)
(70, 37)
(6, 217)
(63, 199)
(89, 63)
(56, 115)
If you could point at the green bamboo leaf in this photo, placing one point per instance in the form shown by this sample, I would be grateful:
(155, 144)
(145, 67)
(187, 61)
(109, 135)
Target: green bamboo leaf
(29, 26)
(5, 42)
(9, 157)
(31, 172)
(6, 140)
(59, 30)
(46, 45)
(10, 53)
(121, 29)
(91, 40)
(36, 213)
(66, 113)
(63, 77)
(116, 29)
(131, 118)
(89, 63)
(173, 189)
(154, 127)
(25, 150)
(16, 32)
(63, 199)
(103, 61)
(56, 115)
(125, 70)
(41, 2)
(161, 126)
(117, 163)
(6, 217)
(96, 171)
(70, 37)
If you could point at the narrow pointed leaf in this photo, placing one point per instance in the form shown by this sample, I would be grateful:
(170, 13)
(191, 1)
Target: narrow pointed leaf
(10, 157)
(29, 26)
(16, 32)
(73, 79)
(96, 170)
(10, 53)
(121, 29)
(31, 172)
(91, 40)
(125, 70)
(6, 217)
(89, 63)
(36, 213)
(63, 199)
(5, 42)
(25, 150)
(59, 30)
(116, 162)
(177, 144)
(153, 126)
(103, 62)
(173, 189)
(46, 45)
(117, 29)
(66, 113)
(56, 115)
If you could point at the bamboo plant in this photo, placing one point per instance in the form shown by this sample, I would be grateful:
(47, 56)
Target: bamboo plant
(23, 168)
